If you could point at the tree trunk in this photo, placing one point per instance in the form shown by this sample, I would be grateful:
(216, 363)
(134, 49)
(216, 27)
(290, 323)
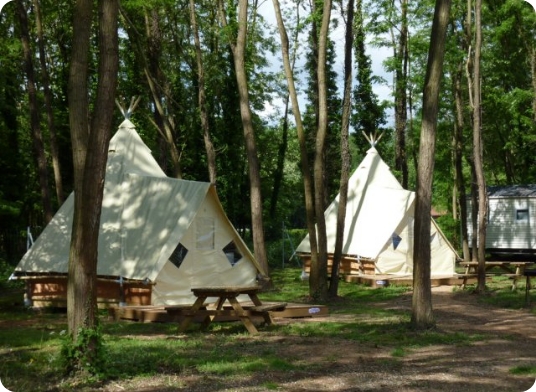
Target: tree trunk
(460, 195)
(54, 149)
(401, 116)
(90, 146)
(345, 147)
(422, 314)
(209, 147)
(279, 172)
(163, 120)
(478, 152)
(318, 281)
(238, 49)
(304, 163)
(35, 123)
(533, 78)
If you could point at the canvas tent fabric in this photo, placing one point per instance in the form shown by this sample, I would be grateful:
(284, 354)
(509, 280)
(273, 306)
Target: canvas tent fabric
(379, 223)
(168, 232)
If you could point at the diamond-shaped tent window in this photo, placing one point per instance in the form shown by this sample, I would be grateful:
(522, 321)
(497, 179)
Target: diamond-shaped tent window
(178, 255)
(232, 253)
(396, 240)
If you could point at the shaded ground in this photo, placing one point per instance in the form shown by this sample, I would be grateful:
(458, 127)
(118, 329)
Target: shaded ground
(508, 341)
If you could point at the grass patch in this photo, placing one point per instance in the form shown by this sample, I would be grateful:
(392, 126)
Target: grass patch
(524, 370)
(30, 343)
(499, 293)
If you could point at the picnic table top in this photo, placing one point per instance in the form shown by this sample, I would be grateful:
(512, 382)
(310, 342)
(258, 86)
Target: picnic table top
(219, 290)
(498, 262)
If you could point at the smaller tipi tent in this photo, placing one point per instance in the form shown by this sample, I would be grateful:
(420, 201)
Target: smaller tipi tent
(379, 224)
(172, 234)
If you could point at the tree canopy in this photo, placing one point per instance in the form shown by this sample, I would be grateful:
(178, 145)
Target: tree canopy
(157, 62)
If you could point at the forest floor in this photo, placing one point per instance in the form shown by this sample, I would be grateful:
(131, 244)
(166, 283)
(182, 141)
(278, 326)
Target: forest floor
(507, 340)
(499, 341)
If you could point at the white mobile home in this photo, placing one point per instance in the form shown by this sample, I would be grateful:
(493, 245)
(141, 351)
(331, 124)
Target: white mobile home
(511, 225)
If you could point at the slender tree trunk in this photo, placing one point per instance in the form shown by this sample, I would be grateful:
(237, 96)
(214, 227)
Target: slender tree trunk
(318, 286)
(460, 195)
(478, 152)
(209, 147)
(471, 159)
(90, 145)
(307, 178)
(35, 123)
(401, 115)
(422, 314)
(279, 171)
(345, 147)
(155, 79)
(49, 105)
(533, 78)
(238, 49)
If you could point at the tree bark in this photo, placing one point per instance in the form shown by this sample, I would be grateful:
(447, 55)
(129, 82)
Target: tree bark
(422, 314)
(345, 147)
(35, 123)
(318, 281)
(401, 115)
(90, 140)
(209, 147)
(238, 48)
(304, 163)
(460, 195)
(279, 171)
(49, 105)
(155, 79)
(478, 152)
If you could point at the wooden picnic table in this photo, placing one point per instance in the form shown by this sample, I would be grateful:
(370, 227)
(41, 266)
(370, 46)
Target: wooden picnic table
(228, 294)
(513, 269)
(509, 267)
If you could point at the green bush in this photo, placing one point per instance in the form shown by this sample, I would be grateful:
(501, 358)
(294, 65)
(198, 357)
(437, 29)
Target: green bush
(280, 251)
(7, 285)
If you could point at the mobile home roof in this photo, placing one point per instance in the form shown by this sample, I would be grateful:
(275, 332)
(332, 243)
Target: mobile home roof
(512, 191)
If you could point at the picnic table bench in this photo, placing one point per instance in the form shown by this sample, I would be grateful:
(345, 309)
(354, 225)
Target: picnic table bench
(236, 310)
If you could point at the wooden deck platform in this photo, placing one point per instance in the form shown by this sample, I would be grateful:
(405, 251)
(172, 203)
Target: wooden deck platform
(147, 314)
(392, 280)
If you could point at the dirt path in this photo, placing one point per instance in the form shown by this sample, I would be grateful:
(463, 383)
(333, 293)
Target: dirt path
(507, 339)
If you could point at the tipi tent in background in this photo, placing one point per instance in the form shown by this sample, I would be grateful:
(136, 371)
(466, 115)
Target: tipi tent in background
(159, 237)
(378, 230)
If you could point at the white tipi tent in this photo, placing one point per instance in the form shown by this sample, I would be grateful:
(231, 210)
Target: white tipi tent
(379, 223)
(172, 234)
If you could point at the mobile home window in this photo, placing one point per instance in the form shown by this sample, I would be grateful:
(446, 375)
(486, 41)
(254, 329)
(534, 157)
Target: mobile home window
(522, 215)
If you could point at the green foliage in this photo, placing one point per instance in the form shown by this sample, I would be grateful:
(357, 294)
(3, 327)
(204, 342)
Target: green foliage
(86, 355)
(524, 370)
(6, 285)
(451, 228)
(280, 251)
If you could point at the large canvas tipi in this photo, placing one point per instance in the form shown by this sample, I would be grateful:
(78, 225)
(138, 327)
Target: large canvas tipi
(378, 230)
(164, 234)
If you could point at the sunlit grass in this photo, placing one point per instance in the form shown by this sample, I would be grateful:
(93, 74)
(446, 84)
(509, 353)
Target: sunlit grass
(499, 293)
(137, 351)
